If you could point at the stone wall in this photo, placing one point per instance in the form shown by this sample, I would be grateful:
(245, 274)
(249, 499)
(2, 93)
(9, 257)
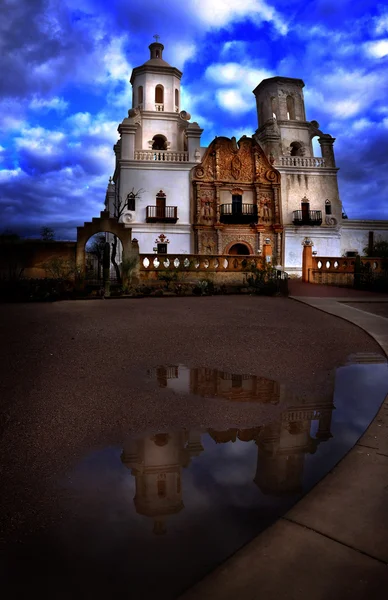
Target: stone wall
(28, 257)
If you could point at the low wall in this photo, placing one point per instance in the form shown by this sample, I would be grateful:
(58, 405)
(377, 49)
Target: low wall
(28, 257)
(340, 271)
(220, 269)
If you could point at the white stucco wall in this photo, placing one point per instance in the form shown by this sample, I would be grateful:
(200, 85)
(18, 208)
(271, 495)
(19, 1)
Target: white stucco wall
(327, 242)
(355, 234)
(149, 81)
(174, 183)
(168, 127)
(317, 187)
(179, 237)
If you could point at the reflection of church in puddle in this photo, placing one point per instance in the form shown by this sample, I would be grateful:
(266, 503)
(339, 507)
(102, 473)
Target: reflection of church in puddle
(157, 461)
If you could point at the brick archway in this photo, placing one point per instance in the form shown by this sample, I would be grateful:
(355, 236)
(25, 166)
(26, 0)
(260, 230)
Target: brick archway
(229, 247)
(103, 223)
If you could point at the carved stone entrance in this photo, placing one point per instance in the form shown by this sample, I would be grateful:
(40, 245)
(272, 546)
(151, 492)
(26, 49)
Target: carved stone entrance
(103, 223)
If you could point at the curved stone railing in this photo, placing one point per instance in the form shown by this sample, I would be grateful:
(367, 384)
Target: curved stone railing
(300, 161)
(161, 156)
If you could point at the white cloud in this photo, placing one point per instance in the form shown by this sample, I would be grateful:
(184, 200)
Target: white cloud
(240, 80)
(55, 103)
(181, 53)
(239, 74)
(377, 49)
(219, 13)
(7, 174)
(232, 100)
(361, 124)
(381, 24)
(39, 140)
(344, 108)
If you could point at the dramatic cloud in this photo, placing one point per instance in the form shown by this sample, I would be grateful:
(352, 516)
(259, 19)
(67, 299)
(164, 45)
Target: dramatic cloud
(64, 89)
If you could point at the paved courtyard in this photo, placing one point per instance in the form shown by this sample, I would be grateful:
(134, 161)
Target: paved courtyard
(73, 377)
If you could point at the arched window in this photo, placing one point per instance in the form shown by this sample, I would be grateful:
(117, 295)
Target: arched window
(176, 98)
(290, 108)
(327, 207)
(296, 149)
(140, 94)
(159, 94)
(159, 142)
(273, 107)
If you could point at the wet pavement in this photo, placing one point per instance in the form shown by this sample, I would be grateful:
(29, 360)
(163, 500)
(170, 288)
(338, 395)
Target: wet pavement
(154, 514)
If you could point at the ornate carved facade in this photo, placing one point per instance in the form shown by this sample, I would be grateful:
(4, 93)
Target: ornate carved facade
(236, 200)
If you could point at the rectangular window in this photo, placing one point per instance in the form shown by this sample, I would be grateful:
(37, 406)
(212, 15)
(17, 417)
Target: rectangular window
(236, 204)
(162, 248)
(131, 202)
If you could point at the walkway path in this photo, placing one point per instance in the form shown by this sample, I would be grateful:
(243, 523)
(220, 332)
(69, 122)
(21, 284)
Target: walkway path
(334, 542)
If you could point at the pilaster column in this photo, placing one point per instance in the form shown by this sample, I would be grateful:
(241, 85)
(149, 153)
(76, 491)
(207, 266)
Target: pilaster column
(278, 247)
(307, 259)
(127, 132)
(326, 143)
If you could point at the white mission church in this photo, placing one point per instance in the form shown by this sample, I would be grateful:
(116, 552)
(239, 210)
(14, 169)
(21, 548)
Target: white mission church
(181, 198)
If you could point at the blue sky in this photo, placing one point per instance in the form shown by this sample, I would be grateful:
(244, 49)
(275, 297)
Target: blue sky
(64, 88)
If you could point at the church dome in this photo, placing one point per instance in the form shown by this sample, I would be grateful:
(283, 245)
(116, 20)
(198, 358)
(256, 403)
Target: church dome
(156, 58)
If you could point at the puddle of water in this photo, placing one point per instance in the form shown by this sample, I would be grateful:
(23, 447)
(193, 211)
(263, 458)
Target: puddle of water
(155, 515)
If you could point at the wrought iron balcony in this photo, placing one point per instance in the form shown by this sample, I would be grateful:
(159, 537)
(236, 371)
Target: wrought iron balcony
(308, 217)
(162, 214)
(238, 214)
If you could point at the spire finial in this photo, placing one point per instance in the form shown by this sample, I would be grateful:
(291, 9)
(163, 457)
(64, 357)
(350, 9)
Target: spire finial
(157, 37)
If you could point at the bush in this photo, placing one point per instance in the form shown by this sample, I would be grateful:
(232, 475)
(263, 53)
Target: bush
(262, 281)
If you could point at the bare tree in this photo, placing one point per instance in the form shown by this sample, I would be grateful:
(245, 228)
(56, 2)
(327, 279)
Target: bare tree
(47, 234)
(96, 247)
(120, 206)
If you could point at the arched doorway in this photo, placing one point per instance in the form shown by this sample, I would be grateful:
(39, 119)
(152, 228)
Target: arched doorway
(103, 224)
(239, 249)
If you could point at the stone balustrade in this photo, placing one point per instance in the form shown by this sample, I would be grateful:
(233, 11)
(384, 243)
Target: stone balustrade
(159, 107)
(345, 265)
(300, 161)
(161, 155)
(198, 263)
(340, 270)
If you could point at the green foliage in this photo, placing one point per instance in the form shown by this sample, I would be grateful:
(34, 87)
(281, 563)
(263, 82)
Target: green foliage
(262, 281)
(128, 266)
(379, 249)
(168, 277)
(204, 287)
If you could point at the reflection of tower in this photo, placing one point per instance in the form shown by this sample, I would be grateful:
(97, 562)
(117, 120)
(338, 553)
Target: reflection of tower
(156, 463)
(235, 387)
(283, 445)
(214, 383)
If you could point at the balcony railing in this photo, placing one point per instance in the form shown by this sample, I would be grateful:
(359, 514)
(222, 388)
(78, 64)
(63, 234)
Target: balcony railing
(162, 155)
(308, 217)
(238, 214)
(160, 214)
(300, 161)
(159, 107)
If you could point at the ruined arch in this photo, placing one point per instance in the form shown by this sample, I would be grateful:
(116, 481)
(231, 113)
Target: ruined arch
(103, 223)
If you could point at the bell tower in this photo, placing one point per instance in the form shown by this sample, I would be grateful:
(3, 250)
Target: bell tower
(310, 203)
